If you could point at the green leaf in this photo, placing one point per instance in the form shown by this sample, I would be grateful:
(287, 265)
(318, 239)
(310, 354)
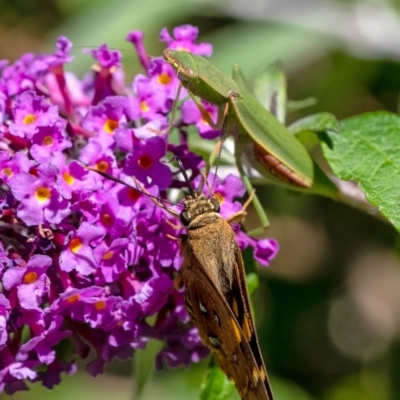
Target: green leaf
(368, 152)
(294, 105)
(144, 364)
(249, 262)
(252, 282)
(321, 122)
(216, 385)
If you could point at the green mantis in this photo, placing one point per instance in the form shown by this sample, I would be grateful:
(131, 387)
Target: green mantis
(245, 116)
(257, 132)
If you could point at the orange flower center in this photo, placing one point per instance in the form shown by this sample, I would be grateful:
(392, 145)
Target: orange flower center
(110, 125)
(8, 172)
(29, 119)
(108, 255)
(68, 178)
(48, 141)
(100, 305)
(42, 194)
(73, 298)
(144, 107)
(102, 166)
(75, 244)
(30, 277)
(164, 79)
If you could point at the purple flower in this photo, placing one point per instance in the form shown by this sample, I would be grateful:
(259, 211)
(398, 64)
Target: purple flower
(39, 198)
(145, 163)
(109, 217)
(183, 39)
(72, 179)
(98, 158)
(163, 78)
(30, 112)
(31, 281)
(73, 303)
(78, 252)
(106, 57)
(4, 313)
(67, 92)
(43, 344)
(109, 78)
(12, 376)
(20, 76)
(104, 119)
(192, 115)
(11, 165)
(134, 201)
(265, 251)
(111, 259)
(136, 38)
(48, 140)
(153, 294)
(127, 139)
(153, 104)
(52, 375)
(61, 56)
(191, 161)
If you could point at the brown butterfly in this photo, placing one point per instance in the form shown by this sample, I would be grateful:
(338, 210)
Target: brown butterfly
(216, 294)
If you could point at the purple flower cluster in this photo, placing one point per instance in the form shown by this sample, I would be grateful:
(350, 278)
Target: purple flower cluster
(82, 258)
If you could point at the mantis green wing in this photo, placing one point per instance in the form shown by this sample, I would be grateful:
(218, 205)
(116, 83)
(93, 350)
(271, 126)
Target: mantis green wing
(278, 150)
(272, 88)
(274, 146)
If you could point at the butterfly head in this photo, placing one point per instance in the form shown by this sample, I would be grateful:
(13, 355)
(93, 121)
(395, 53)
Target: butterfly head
(198, 210)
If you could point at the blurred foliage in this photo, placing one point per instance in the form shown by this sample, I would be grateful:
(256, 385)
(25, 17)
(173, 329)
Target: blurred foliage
(327, 308)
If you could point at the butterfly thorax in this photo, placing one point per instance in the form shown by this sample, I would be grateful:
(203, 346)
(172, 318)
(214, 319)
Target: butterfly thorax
(200, 210)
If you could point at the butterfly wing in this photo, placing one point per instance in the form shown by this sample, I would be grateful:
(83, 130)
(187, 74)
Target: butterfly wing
(240, 305)
(219, 327)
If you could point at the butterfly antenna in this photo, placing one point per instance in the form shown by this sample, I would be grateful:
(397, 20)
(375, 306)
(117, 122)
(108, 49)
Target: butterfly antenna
(129, 51)
(110, 48)
(185, 176)
(140, 190)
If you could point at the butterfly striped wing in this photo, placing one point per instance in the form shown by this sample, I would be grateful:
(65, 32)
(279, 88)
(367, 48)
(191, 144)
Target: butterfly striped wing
(224, 320)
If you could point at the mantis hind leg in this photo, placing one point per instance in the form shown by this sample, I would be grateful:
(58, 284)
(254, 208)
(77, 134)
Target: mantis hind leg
(255, 200)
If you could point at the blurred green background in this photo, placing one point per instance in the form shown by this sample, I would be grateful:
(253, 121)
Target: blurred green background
(328, 308)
